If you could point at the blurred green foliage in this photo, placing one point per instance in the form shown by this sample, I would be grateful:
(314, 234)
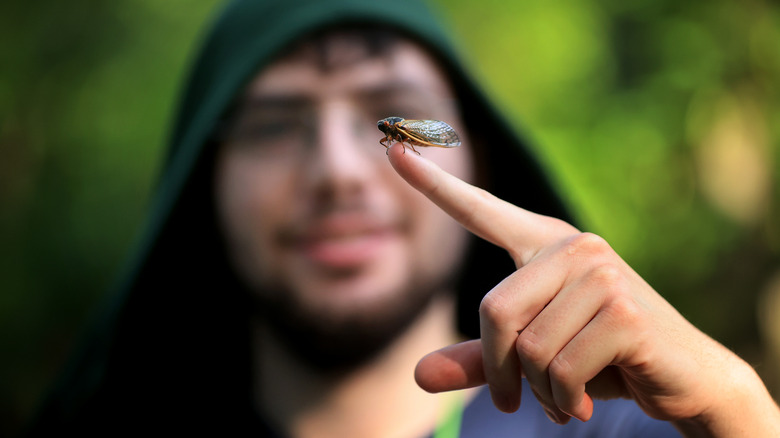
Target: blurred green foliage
(660, 120)
(86, 94)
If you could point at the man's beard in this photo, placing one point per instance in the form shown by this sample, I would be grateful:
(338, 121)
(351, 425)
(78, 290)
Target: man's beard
(335, 344)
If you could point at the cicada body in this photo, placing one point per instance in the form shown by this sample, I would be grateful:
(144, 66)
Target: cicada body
(417, 133)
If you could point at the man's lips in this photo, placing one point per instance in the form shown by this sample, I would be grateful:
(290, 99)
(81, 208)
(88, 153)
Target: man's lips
(342, 240)
(345, 251)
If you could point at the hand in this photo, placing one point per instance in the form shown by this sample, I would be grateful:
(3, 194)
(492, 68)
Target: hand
(578, 323)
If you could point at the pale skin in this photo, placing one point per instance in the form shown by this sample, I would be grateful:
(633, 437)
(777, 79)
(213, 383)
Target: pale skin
(578, 323)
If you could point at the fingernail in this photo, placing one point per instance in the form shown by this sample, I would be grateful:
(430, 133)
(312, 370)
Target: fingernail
(550, 415)
(584, 411)
(555, 416)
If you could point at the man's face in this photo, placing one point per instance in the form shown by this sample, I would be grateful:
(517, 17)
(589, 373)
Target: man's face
(312, 211)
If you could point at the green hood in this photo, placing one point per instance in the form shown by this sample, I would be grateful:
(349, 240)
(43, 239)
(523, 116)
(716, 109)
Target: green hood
(171, 344)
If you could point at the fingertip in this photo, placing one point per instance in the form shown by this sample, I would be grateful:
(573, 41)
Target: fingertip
(426, 375)
(455, 367)
(397, 158)
(396, 154)
(583, 411)
(416, 170)
(504, 401)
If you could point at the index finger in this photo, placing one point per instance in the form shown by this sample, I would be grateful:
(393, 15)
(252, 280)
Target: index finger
(519, 231)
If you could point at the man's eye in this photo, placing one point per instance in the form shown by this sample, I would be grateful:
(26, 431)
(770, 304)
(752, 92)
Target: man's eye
(271, 129)
(267, 130)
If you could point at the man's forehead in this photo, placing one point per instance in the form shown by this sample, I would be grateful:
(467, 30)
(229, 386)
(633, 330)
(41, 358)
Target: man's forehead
(345, 64)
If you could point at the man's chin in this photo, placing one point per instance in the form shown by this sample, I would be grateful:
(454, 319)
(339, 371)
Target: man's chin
(333, 341)
(345, 295)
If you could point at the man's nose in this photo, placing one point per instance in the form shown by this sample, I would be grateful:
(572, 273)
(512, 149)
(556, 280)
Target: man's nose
(340, 157)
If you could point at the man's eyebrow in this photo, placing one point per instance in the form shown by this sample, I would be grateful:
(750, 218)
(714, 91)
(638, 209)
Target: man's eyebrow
(275, 101)
(291, 100)
(387, 89)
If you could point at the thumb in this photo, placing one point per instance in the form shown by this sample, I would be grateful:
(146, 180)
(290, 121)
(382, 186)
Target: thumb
(457, 366)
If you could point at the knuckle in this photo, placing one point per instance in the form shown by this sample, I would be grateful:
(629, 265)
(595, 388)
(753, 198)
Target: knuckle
(609, 277)
(624, 311)
(561, 371)
(587, 244)
(528, 347)
(493, 309)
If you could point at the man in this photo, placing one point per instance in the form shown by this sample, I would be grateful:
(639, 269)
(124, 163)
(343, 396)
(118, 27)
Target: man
(292, 278)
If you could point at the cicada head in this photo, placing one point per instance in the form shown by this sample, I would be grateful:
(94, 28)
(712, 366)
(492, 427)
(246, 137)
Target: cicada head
(385, 125)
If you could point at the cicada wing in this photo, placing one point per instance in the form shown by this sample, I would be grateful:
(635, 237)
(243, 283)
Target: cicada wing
(431, 132)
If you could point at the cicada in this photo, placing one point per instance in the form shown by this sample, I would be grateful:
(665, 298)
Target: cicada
(417, 133)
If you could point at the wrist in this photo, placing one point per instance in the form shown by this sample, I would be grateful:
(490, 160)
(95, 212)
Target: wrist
(739, 406)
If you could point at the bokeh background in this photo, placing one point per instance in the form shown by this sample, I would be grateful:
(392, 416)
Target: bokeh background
(659, 120)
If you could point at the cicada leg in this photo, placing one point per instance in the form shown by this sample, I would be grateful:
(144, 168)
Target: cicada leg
(383, 141)
(404, 140)
(411, 145)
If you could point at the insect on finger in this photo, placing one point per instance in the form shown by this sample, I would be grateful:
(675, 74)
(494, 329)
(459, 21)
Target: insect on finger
(426, 133)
